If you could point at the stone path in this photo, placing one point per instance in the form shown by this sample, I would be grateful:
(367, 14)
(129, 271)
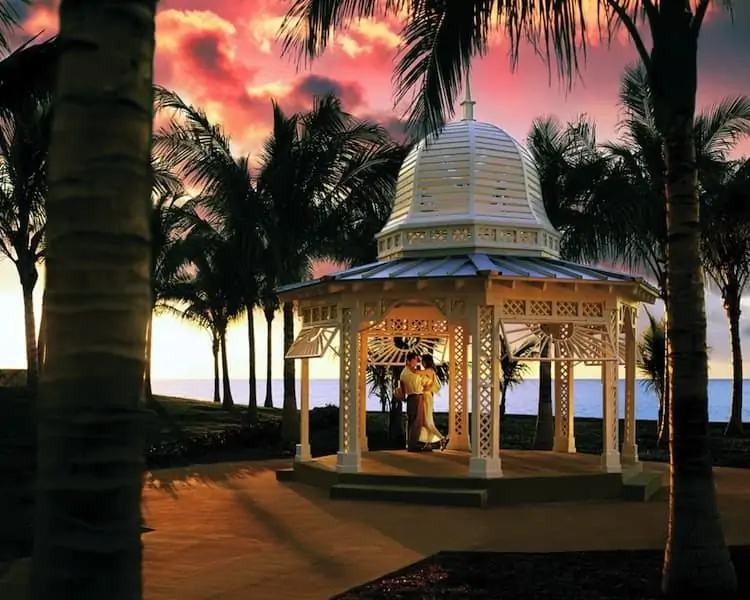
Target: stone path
(230, 531)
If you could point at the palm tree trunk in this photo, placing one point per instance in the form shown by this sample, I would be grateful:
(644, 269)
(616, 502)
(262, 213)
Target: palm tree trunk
(696, 558)
(545, 423)
(87, 522)
(217, 372)
(503, 395)
(252, 382)
(28, 281)
(227, 400)
(732, 305)
(290, 416)
(41, 346)
(147, 391)
(269, 359)
(663, 424)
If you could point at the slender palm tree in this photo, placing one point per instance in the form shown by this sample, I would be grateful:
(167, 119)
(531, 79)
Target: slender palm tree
(24, 140)
(87, 524)
(200, 153)
(205, 291)
(439, 40)
(171, 220)
(726, 259)
(270, 304)
(609, 201)
(331, 171)
(575, 179)
(652, 357)
(641, 167)
(513, 368)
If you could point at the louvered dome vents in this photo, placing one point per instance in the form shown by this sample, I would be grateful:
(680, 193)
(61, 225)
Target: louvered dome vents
(473, 189)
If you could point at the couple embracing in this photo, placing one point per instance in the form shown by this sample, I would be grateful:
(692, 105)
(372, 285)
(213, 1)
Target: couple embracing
(418, 384)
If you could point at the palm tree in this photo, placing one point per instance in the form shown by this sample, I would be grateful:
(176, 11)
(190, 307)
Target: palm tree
(652, 352)
(170, 222)
(270, 304)
(87, 522)
(24, 134)
(641, 186)
(513, 370)
(726, 259)
(200, 153)
(439, 40)
(204, 291)
(331, 171)
(575, 178)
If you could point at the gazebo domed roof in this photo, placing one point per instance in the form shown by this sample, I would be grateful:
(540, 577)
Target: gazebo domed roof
(472, 188)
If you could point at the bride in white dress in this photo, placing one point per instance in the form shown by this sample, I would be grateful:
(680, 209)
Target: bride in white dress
(429, 433)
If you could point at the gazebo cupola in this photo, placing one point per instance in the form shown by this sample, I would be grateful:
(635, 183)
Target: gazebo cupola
(470, 189)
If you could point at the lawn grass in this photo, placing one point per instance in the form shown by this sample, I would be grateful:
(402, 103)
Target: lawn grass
(183, 418)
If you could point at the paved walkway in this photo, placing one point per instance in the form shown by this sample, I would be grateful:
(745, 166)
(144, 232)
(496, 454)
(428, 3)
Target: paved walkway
(230, 531)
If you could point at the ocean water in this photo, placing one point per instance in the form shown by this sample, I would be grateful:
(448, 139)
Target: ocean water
(522, 399)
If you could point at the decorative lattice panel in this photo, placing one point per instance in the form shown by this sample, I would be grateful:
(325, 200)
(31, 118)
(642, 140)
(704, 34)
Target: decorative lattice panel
(458, 385)
(566, 309)
(563, 368)
(581, 342)
(312, 342)
(540, 308)
(593, 310)
(485, 340)
(514, 308)
(611, 382)
(391, 339)
(345, 355)
(627, 347)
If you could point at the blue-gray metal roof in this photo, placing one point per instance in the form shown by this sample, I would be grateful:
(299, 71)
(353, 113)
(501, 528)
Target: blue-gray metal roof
(471, 265)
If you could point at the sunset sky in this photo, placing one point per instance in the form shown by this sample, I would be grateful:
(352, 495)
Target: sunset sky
(222, 56)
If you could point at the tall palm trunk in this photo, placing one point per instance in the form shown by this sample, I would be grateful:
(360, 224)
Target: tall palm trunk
(215, 348)
(87, 523)
(663, 425)
(696, 558)
(147, 391)
(290, 416)
(227, 400)
(28, 275)
(41, 346)
(269, 357)
(733, 310)
(252, 381)
(544, 436)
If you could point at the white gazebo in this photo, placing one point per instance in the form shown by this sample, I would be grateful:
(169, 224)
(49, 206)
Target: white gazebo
(469, 259)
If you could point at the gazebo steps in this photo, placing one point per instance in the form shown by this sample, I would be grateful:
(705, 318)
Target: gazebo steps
(285, 475)
(437, 496)
(642, 486)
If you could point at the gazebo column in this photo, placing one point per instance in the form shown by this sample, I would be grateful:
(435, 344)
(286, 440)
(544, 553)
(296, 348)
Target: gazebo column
(565, 440)
(362, 391)
(348, 459)
(303, 448)
(458, 430)
(629, 444)
(485, 394)
(611, 462)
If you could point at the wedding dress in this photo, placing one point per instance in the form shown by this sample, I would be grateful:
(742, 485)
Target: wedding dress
(429, 434)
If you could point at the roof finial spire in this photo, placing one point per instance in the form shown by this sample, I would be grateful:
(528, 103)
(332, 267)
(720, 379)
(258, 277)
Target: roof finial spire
(468, 103)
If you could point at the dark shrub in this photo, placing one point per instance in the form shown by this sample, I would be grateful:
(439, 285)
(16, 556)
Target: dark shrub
(231, 443)
(324, 417)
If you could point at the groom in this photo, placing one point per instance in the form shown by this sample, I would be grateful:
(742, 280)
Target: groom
(412, 389)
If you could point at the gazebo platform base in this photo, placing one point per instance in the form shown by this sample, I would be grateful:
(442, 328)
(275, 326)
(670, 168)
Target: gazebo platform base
(440, 478)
